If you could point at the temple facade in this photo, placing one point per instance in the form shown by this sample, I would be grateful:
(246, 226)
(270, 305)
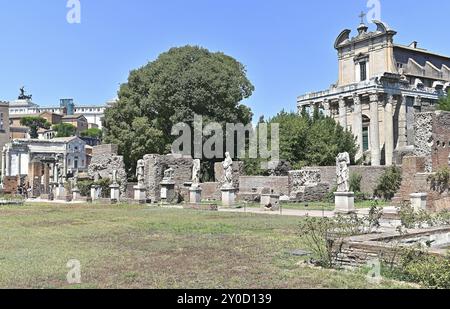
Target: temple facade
(381, 86)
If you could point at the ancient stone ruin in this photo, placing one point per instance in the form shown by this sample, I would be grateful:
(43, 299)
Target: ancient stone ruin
(104, 162)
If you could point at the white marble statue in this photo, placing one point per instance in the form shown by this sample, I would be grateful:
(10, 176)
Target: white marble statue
(196, 172)
(343, 172)
(114, 177)
(75, 180)
(140, 173)
(228, 170)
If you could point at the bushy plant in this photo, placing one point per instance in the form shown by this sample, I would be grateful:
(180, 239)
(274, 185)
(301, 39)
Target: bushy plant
(85, 187)
(416, 265)
(355, 182)
(389, 183)
(324, 236)
(410, 218)
(440, 182)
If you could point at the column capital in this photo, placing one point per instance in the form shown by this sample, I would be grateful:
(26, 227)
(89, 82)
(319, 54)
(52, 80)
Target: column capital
(356, 99)
(390, 99)
(374, 97)
(418, 101)
(342, 102)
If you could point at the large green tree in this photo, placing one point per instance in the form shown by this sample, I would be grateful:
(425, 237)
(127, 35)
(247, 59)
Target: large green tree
(444, 103)
(34, 123)
(93, 133)
(65, 130)
(181, 83)
(308, 141)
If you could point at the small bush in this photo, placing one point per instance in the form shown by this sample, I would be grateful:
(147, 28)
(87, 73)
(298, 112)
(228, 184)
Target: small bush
(389, 183)
(355, 183)
(85, 187)
(417, 266)
(440, 182)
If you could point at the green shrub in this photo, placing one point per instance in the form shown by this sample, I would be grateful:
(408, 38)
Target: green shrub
(389, 183)
(85, 187)
(416, 265)
(440, 182)
(355, 182)
(324, 236)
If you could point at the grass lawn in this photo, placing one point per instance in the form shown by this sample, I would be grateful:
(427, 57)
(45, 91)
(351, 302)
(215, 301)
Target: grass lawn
(143, 247)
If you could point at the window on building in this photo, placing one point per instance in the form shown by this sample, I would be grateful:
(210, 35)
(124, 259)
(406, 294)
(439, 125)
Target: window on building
(363, 70)
(365, 139)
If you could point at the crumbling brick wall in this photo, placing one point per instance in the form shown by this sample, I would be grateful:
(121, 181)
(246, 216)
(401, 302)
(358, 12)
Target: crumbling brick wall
(104, 161)
(424, 140)
(441, 135)
(155, 165)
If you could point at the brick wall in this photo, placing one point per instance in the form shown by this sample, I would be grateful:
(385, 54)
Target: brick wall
(211, 191)
(441, 137)
(155, 165)
(280, 185)
(105, 149)
(370, 176)
(10, 185)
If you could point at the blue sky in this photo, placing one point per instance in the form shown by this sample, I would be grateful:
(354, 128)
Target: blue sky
(287, 46)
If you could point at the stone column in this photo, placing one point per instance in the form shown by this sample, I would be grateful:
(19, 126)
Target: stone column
(402, 122)
(8, 163)
(326, 108)
(374, 131)
(343, 113)
(3, 164)
(357, 125)
(389, 129)
(46, 178)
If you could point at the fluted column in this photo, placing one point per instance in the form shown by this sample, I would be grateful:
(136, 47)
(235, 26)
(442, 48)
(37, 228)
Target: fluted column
(3, 165)
(326, 108)
(374, 131)
(389, 129)
(343, 113)
(402, 123)
(8, 163)
(357, 125)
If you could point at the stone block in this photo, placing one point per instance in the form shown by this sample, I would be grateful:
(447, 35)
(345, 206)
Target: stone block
(419, 201)
(345, 202)
(228, 197)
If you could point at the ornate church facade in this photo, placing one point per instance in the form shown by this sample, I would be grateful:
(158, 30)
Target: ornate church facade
(381, 86)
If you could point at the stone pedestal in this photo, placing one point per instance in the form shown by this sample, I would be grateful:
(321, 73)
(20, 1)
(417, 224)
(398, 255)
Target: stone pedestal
(140, 194)
(95, 193)
(61, 193)
(270, 202)
(419, 201)
(167, 192)
(344, 202)
(115, 193)
(195, 195)
(228, 196)
(76, 195)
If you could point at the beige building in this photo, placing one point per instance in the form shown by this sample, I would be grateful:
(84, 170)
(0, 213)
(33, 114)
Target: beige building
(380, 87)
(4, 124)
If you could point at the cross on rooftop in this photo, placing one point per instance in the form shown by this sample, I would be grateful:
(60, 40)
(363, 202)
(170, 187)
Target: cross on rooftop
(362, 15)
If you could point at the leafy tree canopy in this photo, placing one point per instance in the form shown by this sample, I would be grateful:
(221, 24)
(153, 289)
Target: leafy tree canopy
(309, 141)
(444, 103)
(65, 130)
(180, 83)
(34, 123)
(93, 132)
